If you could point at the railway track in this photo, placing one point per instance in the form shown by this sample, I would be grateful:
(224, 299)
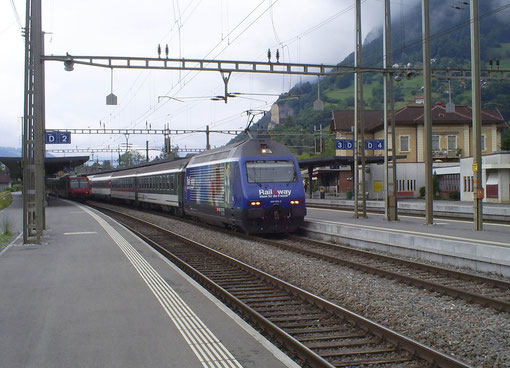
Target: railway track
(473, 288)
(315, 331)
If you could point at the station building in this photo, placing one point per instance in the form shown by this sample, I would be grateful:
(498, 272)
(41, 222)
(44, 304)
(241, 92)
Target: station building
(451, 151)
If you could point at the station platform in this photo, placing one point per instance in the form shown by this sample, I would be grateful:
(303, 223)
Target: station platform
(447, 241)
(92, 294)
(463, 210)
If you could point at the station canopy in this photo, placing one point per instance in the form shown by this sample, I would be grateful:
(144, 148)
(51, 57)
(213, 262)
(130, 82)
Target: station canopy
(52, 165)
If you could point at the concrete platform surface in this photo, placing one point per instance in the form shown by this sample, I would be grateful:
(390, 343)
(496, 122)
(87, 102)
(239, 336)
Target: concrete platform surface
(453, 242)
(94, 295)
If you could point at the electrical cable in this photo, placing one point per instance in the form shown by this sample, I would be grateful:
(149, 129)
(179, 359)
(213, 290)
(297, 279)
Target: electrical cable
(16, 15)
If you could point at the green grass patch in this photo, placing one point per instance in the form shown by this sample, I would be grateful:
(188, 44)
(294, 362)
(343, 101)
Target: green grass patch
(5, 199)
(5, 239)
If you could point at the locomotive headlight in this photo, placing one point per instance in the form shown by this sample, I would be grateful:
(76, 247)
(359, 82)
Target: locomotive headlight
(254, 203)
(295, 201)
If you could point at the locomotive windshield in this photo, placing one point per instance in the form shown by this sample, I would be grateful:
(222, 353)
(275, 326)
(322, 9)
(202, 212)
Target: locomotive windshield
(78, 183)
(271, 171)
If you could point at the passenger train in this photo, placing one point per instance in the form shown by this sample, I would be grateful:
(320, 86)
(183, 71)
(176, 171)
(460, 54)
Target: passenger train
(253, 185)
(69, 187)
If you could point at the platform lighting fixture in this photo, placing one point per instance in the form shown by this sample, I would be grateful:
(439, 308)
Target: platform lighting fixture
(68, 63)
(111, 99)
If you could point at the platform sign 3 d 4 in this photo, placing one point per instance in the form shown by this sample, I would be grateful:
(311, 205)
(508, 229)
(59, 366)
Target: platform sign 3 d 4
(344, 144)
(374, 144)
(53, 137)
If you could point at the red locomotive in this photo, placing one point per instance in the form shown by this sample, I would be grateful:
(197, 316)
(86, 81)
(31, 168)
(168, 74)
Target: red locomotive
(69, 187)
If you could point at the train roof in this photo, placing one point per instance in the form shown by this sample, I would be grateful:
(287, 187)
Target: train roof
(254, 147)
(154, 169)
(160, 165)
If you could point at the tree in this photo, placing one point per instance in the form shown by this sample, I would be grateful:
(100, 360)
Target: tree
(505, 140)
(107, 165)
(130, 158)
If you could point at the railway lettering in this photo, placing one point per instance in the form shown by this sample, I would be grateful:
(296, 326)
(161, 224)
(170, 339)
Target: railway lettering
(270, 193)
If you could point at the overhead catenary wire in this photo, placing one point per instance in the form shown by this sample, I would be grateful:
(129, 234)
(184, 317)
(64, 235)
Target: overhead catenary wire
(150, 111)
(15, 11)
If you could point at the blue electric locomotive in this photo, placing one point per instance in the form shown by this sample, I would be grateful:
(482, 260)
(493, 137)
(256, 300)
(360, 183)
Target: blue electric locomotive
(254, 185)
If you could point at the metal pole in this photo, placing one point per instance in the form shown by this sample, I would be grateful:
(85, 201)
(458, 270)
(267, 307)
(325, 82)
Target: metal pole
(147, 151)
(356, 147)
(427, 118)
(26, 128)
(207, 145)
(477, 128)
(33, 135)
(361, 106)
(393, 196)
(42, 183)
(386, 65)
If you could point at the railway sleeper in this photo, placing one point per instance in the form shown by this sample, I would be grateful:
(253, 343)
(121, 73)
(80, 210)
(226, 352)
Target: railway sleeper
(250, 286)
(261, 294)
(321, 329)
(303, 324)
(350, 352)
(267, 300)
(305, 317)
(332, 337)
(283, 312)
(276, 306)
(344, 344)
(357, 363)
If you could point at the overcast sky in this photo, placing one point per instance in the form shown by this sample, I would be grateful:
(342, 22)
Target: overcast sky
(209, 29)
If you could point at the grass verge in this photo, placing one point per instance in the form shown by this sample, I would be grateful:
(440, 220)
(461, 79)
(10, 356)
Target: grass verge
(5, 199)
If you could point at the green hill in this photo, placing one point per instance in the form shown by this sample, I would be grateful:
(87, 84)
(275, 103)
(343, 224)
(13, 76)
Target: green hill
(450, 47)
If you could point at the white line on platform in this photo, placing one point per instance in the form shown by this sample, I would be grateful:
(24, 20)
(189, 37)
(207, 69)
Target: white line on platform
(81, 233)
(206, 346)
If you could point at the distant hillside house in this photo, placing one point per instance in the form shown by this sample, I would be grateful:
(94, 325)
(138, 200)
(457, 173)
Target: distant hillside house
(451, 131)
(280, 114)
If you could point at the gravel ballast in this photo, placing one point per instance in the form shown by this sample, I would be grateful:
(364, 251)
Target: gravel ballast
(476, 335)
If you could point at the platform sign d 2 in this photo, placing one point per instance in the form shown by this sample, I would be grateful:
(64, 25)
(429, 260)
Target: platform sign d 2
(58, 137)
(344, 144)
(374, 144)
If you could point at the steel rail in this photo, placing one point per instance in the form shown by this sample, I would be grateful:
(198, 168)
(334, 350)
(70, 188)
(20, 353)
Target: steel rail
(500, 305)
(414, 348)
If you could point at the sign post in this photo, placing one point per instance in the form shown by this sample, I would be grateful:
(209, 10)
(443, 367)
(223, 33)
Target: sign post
(344, 144)
(53, 137)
